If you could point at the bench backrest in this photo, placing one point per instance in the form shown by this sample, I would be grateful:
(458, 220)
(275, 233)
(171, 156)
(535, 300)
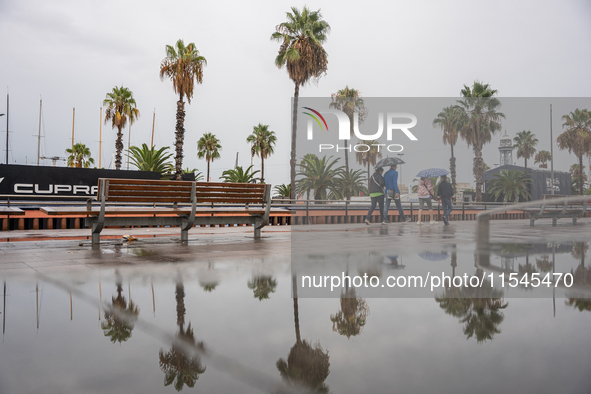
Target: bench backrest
(152, 191)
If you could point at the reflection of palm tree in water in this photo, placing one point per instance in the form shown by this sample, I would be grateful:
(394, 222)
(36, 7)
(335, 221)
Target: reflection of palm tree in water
(306, 365)
(262, 286)
(120, 318)
(177, 366)
(349, 321)
(581, 277)
(478, 308)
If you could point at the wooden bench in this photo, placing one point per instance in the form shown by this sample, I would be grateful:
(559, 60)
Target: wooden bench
(237, 200)
(556, 211)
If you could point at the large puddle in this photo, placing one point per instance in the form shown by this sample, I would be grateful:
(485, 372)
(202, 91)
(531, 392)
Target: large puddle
(232, 327)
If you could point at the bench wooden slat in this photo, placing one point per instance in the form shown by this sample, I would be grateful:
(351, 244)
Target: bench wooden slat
(148, 211)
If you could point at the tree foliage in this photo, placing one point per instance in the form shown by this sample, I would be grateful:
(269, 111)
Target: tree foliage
(239, 175)
(79, 156)
(151, 159)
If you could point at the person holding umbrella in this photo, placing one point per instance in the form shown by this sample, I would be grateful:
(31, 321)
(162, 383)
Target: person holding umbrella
(377, 188)
(393, 193)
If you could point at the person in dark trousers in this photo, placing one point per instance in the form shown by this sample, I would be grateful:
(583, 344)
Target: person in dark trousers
(445, 191)
(393, 193)
(377, 189)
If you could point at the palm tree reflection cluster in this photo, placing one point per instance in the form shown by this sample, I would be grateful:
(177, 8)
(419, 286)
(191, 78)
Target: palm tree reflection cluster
(307, 366)
(581, 277)
(120, 317)
(262, 286)
(178, 366)
(351, 319)
(477, 307)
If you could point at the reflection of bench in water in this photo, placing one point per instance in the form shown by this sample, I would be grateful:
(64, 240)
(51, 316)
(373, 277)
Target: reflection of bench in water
(556, 210)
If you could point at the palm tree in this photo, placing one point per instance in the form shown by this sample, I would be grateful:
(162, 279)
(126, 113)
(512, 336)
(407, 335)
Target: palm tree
(121, 106)
(301, 51)
(511, 185)
(350, 102)
(525, 142)
(479, 121)
(78, 156)
(578, 178)
(208, 147)
(577, 136)
(178, 365)
(449, 122)
(318, 175)
(183, 65)
(262, 286)
(262, 142)
(238, 175)
(354, 184)
(150, 159)
(369, 157)
(542, 157)
(283, 190)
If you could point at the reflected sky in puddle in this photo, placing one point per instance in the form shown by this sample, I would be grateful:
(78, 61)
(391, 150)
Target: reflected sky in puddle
(243, 314)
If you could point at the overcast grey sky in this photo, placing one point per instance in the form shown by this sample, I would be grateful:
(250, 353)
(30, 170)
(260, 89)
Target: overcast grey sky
(71, 53)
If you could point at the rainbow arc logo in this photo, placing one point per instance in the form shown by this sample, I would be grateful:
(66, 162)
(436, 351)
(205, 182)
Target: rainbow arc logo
(315, 118)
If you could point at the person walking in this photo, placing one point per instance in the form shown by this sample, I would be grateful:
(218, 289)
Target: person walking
(425, 193)
(377, 188)
(445, 191)
(393, 193)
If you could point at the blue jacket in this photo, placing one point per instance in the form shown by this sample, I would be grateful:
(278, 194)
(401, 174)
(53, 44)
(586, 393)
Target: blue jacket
(391, 178)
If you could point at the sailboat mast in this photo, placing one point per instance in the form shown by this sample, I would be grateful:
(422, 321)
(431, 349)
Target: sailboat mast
(39, 135)
(73, 116)
(7, 100)
(100, 135)
(153, 120)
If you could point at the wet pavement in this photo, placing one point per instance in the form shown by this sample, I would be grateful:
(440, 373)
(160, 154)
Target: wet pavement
(216, 315)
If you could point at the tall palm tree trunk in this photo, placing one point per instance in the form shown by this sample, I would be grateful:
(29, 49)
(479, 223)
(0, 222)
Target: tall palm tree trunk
(118, 148)
(294, 127)
(179, 137)
(207, 180)
(452, 169)
(581, 181)
(296, 315)
(262, 169)
(478, 170)
(347, 192)
(368, 180)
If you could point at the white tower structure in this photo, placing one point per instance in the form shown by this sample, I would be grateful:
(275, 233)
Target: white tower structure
(506, 150)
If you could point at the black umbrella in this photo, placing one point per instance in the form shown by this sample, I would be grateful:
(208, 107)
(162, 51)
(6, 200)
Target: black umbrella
(389, 161)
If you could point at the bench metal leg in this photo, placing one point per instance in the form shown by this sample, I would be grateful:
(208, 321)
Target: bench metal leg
(574, 220)
(257, 229)
(184, 235)
(532, 220)
(96, 238)
(554, 220)
(96, 233)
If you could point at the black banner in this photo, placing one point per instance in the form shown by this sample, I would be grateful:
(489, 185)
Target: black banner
(45, 182)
